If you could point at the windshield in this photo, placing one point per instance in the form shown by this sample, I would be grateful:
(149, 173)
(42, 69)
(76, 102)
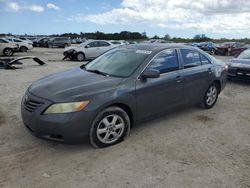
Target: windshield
(118, 62)
(245, 55)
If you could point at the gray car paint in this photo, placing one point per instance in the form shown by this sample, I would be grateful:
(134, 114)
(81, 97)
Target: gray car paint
(144, 97)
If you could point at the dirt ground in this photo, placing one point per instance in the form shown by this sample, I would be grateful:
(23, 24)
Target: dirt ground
(191, 148)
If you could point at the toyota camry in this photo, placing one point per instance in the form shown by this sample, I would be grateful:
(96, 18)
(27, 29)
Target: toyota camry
(102, 100)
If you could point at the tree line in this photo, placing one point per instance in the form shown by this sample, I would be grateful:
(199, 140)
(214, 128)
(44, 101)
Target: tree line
(136, 36)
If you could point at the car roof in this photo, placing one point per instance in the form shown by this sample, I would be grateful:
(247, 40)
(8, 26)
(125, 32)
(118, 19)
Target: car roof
(156, 47)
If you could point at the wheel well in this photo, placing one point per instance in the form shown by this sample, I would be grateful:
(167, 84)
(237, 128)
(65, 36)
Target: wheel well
(217, 82)
(23, 47)
(127, 109)
(81, 53)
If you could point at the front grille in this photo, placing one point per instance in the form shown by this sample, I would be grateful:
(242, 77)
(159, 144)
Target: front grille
(32, 105)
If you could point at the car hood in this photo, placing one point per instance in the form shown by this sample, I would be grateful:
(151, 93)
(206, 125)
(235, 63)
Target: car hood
(72, 85)
(241, 63)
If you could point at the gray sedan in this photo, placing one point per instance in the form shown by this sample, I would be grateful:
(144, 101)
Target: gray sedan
(102, 100)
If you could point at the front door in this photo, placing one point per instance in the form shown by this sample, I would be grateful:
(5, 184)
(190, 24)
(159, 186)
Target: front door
(156, 95)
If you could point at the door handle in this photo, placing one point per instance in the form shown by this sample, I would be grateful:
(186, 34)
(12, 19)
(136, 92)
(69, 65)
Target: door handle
(178, 79)
(209, 70)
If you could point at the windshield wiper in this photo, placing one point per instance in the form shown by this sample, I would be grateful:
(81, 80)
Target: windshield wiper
(97, 72)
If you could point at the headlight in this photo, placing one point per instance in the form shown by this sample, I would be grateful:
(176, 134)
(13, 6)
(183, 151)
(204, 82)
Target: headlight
(66, 107)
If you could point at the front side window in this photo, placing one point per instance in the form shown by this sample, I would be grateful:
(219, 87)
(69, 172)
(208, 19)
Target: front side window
(191, 58)
(204, 60)
(16, 40)
(3, 41)
(166, 61)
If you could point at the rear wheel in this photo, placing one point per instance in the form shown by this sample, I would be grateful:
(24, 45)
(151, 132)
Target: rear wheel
(210, 96)
(23, 49)
(80, 57)
(109, 127)
(8, 52)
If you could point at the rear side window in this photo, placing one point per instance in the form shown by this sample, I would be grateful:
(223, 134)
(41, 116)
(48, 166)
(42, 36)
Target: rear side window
(102, 43)
(166, 61)
(191, 58)
(93, 44)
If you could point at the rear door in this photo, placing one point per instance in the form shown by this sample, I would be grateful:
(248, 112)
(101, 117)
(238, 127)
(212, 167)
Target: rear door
(156, 95)
(103, 47)
(197, 74)
(57, 42)
(92, 49)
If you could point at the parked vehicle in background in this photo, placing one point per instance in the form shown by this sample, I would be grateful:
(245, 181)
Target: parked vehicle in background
(62, 42)
(42, 42)
(208, 47)
(116, 42)
(230, 48)
(26, 39)
(7, 48)
(126, 85)
(239, 67)
(23, 46)
(88, 50)
(36, 42)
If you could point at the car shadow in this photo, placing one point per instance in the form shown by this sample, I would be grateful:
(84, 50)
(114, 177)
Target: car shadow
(241, 82)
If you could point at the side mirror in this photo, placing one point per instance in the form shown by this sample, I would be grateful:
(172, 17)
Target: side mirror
(151, 73)
(87, 46)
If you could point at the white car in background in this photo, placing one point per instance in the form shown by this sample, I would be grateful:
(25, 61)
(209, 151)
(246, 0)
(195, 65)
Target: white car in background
(88, 50)
(7, 48)
(26, 40)
(22, 45)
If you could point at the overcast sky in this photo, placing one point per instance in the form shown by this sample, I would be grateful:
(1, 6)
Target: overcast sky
(180, 18)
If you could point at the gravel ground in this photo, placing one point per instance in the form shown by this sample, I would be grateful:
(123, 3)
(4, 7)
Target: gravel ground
(189, 148)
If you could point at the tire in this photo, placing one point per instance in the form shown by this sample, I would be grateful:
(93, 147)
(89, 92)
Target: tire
(80, 56)
(8, 52)
(110, 127)
(23, 49)
(211, 96)
(213, 52)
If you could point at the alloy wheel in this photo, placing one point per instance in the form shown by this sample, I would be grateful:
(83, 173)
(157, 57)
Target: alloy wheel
(211, 95)
(110, 129)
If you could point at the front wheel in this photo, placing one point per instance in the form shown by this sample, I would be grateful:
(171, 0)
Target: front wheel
(211, 96)
(109, 127)
(80, 57)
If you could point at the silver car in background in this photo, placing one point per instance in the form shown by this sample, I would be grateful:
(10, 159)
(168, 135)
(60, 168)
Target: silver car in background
(88, 50)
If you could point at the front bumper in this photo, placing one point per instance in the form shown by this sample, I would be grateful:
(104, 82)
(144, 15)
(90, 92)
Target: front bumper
(67, 128)
(239, 73)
